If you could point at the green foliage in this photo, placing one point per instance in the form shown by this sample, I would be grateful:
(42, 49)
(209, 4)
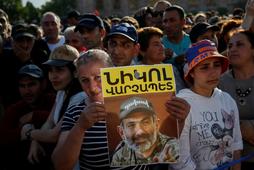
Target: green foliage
(13, 8)
(60, 7)
(29, 13)
(17, 12)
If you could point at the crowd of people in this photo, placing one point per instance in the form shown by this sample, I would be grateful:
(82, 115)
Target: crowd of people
(52, 114)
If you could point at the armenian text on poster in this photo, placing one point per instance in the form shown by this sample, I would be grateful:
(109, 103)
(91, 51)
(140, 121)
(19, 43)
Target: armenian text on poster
(140, 130)
(120, 81)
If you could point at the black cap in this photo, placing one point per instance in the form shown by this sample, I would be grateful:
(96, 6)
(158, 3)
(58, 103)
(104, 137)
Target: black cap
(89, 21)
(22, 30)
(31, 70)
(200, 29)
(73, 14)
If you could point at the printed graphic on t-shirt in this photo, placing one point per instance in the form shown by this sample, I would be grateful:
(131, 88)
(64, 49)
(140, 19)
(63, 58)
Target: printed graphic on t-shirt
(214, 133)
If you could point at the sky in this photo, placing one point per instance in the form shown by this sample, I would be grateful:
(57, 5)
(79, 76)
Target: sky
(36, 3)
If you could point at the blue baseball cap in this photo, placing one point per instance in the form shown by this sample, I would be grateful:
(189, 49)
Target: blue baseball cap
(201, 51)
(125, 29)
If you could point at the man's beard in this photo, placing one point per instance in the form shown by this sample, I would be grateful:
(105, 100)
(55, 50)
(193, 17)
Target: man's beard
(149, 142)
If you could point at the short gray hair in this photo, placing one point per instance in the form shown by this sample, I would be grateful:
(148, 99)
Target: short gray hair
(93, 55)
(57, 18)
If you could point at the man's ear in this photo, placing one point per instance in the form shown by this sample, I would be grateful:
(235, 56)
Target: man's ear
(157, 121)
(102, 33)
(183, 22)
(137, 49)
(120, 131)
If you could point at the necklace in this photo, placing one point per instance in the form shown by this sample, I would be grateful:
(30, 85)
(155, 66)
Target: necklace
(243, 93)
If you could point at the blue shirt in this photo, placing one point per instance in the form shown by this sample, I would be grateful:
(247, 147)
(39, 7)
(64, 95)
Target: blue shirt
(179, 48)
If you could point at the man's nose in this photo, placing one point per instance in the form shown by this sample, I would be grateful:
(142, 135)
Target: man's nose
(139, 129)
(116, 50)
(27, 89)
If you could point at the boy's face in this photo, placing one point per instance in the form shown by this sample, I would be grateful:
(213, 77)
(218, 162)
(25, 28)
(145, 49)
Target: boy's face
(122, 50)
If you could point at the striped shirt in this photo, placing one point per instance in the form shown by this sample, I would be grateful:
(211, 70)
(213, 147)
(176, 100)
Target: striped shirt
(94, 150)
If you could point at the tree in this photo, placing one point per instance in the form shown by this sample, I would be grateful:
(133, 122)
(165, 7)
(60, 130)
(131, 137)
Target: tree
(13, 8)
(60, 7)
(31, 14)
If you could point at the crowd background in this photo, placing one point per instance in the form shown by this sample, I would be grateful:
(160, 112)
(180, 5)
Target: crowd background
(161, 32)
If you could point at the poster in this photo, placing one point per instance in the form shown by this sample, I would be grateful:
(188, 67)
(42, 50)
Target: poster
(140, 130)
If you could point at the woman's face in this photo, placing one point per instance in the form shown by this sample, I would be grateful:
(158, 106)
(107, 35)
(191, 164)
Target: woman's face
(60, 77)
(240, 51)
(155, 51)
(90, 80)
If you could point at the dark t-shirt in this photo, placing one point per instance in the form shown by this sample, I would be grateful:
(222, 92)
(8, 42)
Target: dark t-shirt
(9, 66)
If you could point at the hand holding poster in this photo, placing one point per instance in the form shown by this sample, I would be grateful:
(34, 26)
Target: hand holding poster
(140, 130)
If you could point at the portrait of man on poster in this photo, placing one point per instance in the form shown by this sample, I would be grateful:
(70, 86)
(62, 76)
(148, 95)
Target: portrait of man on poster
(142, 143)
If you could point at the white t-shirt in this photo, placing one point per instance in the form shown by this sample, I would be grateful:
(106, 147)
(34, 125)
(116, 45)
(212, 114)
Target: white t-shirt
(74, 100)
(59, 43)
(211, 132)
(58, 105)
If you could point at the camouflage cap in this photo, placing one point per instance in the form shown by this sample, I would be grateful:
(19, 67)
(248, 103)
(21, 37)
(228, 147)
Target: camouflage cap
(135, 104)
